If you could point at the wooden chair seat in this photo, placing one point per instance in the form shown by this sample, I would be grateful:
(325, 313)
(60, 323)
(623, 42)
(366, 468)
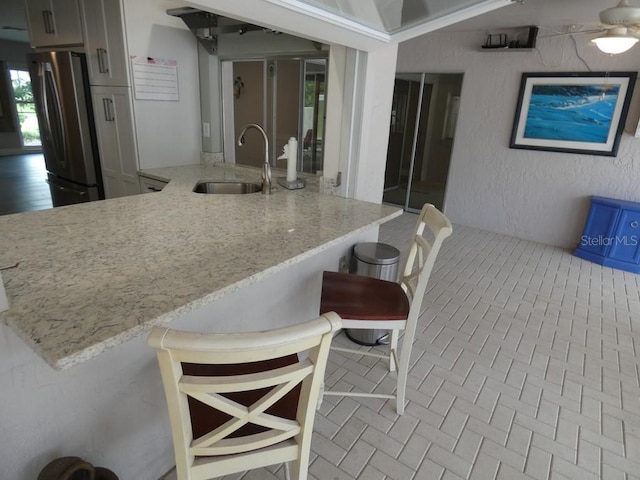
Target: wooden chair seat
(362, 298)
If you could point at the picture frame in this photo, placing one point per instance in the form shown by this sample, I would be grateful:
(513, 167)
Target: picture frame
(572, 112)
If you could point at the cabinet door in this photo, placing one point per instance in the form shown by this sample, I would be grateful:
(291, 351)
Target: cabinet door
(53, 22)
(626, 242)
(116, 140)
(598, 233)
(104, 42)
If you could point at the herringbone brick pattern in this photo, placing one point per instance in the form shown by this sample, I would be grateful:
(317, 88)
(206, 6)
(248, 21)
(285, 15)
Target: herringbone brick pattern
(524, 367)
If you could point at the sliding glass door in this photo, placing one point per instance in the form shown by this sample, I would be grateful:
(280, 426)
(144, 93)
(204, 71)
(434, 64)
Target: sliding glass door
(423, 117)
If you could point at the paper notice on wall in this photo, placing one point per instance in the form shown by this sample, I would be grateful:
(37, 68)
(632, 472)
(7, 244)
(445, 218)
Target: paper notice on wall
(155, 78)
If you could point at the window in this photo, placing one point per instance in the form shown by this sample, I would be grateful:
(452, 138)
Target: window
(25, 106)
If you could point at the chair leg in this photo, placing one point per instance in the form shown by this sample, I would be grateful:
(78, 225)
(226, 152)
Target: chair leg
(287, 471)
(393, 347)
(403, 371)
(298, 469)
(320, 397)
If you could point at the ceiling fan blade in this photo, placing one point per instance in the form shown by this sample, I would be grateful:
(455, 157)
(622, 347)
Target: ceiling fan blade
(634, 30)
(577, 32)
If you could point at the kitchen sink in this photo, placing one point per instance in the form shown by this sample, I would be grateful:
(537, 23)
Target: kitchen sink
(227, 187)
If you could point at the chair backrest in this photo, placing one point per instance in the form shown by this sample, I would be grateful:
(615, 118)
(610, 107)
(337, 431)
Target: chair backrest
(422, 256)
(218, 371)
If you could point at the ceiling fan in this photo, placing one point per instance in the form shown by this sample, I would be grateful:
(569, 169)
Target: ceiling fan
(621, 28)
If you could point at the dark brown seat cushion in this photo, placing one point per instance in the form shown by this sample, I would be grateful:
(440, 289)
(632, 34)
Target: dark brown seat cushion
(362, 298)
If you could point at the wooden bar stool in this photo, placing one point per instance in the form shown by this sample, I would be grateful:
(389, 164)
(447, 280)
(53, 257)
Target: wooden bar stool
(371, 303)
(243, 401)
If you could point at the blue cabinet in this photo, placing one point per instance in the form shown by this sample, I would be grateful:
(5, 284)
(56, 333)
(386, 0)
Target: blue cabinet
(611, 235)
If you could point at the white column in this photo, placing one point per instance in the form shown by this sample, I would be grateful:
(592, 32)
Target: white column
(336, 107)
(210, 99)
(371, 113)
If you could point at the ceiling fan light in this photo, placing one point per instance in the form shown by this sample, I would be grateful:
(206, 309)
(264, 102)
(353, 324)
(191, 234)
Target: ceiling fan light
(614, 44)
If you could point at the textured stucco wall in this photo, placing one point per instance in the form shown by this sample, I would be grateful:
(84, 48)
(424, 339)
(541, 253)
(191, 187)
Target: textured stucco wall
(540, 196)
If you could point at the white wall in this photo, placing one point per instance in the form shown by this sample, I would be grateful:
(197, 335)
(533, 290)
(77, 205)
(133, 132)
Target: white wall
(359, 92)
(211, 99)
(337, 110)
(168, 133)
(375, 118)
(541, 196)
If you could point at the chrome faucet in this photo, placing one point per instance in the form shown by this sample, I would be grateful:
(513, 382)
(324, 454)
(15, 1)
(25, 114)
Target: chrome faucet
(266, 167)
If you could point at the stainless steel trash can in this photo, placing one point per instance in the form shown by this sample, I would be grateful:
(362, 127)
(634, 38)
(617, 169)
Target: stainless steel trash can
(377, 260)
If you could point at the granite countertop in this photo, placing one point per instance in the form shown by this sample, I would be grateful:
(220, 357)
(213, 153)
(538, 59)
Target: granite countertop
(84, 278)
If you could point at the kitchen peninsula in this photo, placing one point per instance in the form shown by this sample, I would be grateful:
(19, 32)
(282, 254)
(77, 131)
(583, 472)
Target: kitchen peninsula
(89, 280)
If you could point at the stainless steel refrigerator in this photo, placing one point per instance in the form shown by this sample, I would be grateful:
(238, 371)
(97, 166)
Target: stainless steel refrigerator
(63, 104)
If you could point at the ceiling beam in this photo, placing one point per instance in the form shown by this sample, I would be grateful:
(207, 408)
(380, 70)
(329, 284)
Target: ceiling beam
(303, 20)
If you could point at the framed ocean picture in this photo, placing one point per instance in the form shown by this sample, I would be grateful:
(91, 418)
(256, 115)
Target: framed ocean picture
(572, 112)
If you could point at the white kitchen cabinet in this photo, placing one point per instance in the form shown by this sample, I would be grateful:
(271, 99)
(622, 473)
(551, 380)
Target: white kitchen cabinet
(116, 140)
(150, 185)
(104, 40)
(54, 22)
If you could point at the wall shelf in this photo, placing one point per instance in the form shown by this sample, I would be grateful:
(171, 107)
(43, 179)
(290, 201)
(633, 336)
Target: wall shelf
(507, 49)
(500, 42)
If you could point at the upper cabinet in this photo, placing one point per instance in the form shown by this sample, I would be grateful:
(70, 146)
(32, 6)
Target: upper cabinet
(54, 22)
(105, 42)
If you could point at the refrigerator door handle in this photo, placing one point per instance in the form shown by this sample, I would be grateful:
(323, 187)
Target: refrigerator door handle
(66, 189)
(57, 132)
(43, 98)
(49, 134)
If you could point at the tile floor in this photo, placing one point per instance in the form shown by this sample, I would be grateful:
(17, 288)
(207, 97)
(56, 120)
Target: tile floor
(524, 367)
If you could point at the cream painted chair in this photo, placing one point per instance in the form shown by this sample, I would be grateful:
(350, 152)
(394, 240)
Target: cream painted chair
(371, 303)
(243, 401)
